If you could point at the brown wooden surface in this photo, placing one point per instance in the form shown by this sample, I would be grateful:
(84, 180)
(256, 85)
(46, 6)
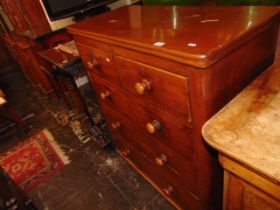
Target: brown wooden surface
(15, 15)
(177, 165)
(35, 17)
(170, 125)
(21, 57)
(25, 51)
(145, 163)
(179, 27)
(62, 79)
(58, 57)
(175, 98)
(27, 17)
(231, 63)
(244, 189)
(57, 38)
(98, 62)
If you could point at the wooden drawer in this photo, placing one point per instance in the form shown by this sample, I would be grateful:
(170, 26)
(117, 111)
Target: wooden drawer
(168, 183)
(161, 180)
(98, 62)
(162, 157)
(147, 82)
(174, 132)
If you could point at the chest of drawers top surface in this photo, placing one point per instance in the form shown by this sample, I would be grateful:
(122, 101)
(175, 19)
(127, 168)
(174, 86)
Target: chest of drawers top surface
(198, 36)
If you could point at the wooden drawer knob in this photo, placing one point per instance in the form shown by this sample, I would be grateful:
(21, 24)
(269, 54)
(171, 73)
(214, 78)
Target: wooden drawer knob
(160, 161)
(116, 125)
(105, 95)
(126, 152)
(153, 126)
(168, 191)
(93, 64)
(143, 86)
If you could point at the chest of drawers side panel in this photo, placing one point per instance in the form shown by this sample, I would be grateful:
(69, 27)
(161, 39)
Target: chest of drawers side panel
(213, 87)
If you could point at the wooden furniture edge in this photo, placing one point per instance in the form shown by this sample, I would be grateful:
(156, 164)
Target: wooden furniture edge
(251, 176)
(201, 61)
(149, 180)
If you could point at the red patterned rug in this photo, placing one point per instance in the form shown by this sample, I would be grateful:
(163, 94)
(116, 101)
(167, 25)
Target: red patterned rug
(34, 160)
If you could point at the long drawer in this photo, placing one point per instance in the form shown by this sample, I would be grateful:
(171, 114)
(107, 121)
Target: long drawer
(163, 182)
(159, 86)
(162, 157)
(172, 130)
(171, 185)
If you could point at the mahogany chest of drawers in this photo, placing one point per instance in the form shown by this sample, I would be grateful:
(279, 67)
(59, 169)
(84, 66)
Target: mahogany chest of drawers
(161, 72)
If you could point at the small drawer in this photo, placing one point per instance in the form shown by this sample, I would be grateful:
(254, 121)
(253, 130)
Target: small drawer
(159, 86)
(107, 92)
(98, 62)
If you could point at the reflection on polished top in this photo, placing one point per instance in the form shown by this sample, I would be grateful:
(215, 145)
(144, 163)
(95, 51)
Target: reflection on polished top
(198, 36)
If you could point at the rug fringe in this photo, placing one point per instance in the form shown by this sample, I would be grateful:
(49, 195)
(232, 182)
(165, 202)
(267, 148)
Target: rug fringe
(57, 147)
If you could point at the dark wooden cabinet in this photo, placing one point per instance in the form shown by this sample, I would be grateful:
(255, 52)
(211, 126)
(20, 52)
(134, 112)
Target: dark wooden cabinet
(24, 21)
(27, 17)
(161, 72)
(25, 37)
(26, 51)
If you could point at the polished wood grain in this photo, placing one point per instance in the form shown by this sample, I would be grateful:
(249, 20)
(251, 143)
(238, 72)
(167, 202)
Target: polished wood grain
(25, 51)
(21, 58)
(160, 154)
(146, 164)
(147, 82)
(182, 30)
(245, 133)
(99, 62)
(15, 15)
(246, 189)
(140, 116)
(201, 64)
(35, 18)
(27, 17)
(58, 57)
(61, 79)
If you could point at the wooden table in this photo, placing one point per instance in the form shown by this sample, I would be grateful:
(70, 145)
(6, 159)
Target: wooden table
(60, 62)
(62, 76)
(161, 72)
(246, 133)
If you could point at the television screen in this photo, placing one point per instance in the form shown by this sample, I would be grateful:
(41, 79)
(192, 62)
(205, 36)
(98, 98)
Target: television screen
(62, 8)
